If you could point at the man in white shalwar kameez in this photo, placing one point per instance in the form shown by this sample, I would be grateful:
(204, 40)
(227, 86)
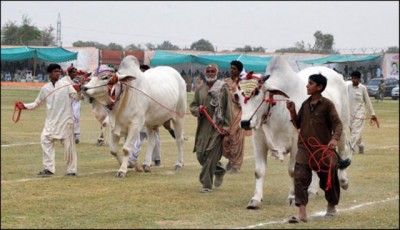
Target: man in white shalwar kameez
(358, 98)
(59, 123)
(76, 104)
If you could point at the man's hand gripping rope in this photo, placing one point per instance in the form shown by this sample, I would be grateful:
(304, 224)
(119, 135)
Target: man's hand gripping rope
(222, 131)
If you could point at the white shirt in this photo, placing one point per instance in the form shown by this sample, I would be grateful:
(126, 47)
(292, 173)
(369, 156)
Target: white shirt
(59, 109)
(358, 96)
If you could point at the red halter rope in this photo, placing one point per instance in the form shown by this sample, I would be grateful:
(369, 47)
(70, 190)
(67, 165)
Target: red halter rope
(16, 119)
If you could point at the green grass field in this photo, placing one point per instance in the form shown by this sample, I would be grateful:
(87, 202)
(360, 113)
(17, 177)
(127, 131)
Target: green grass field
(168, 199)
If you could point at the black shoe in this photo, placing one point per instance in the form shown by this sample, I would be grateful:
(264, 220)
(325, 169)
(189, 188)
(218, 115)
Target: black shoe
(70, 174)
(45, 172)
(218, 180)
(157, 163)
(77, 141)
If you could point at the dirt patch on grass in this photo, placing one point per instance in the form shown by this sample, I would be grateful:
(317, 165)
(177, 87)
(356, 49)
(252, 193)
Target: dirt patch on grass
(23, 84)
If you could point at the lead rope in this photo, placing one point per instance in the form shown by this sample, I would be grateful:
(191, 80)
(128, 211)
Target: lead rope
(16, 119)
(324, 149)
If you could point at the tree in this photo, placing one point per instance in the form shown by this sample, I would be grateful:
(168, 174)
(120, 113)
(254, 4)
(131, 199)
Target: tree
(299, 47)
(150, 46)
(10, 33)
(26, 34)
(114, 46)
(166, 45)
(259, 49)
(47, 36)
(392, 49)
(90, 44)
(202, 45)
(323, 43)
(133, 47)
(248, 48)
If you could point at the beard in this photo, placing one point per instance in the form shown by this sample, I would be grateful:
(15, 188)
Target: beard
(211, 79)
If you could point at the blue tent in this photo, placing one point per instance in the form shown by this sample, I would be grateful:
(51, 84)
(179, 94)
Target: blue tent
(53, 54)
(341, 59)
(168, 58)
(250, 62)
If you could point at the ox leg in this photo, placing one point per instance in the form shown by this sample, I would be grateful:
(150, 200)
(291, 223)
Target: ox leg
(178, 125)
(101, 139)
(260, 158)
(126, 150)
(314, 186)
(114, 139)
(292, 161)
(344, 154)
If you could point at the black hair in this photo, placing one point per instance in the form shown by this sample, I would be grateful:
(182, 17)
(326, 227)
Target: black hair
(319, 79)
(52, 67)
(238, 65)
(356, 74)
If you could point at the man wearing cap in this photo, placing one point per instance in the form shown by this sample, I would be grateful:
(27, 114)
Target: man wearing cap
(320, 130)
(71, 78)
(235, 153)
(211, 98)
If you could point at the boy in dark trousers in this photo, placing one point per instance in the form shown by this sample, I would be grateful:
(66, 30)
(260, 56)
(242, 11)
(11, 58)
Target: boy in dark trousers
(320, 130)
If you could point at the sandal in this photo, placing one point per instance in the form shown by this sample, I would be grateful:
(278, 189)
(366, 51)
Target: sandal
(296, 220)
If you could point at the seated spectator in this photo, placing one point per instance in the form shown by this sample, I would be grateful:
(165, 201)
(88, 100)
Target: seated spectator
(40, 77)
(8, 77)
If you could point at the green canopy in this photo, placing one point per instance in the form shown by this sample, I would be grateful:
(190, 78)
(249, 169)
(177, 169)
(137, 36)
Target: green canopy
(250, 63)
(341, 59)
(168, 58)
(53, 54)
(16, 54)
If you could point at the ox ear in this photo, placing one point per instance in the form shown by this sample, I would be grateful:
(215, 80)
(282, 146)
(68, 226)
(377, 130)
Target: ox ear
(88, 74)
(124, 76)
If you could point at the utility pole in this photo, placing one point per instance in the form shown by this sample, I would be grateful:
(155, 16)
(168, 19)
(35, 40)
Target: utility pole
(59, 44)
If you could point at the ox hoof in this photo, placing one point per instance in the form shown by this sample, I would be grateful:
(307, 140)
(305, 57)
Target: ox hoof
(254, 204)
(146, 168)
(344, 185)
(312, 194)
(178, 167)
(100, 142)
(290, 200)
(120, 174)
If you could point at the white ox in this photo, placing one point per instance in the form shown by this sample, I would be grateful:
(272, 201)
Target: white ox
(100, 112)
(141, 99)
(271, 124)
(101, 115)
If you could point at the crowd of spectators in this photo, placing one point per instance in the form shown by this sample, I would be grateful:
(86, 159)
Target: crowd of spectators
(23, 71)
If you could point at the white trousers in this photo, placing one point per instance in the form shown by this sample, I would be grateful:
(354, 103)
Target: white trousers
(49, 152)
(76, 108)
(138, 144)
(357, 122)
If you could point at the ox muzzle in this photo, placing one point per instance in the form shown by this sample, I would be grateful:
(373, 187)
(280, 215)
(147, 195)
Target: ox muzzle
(245, 124)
